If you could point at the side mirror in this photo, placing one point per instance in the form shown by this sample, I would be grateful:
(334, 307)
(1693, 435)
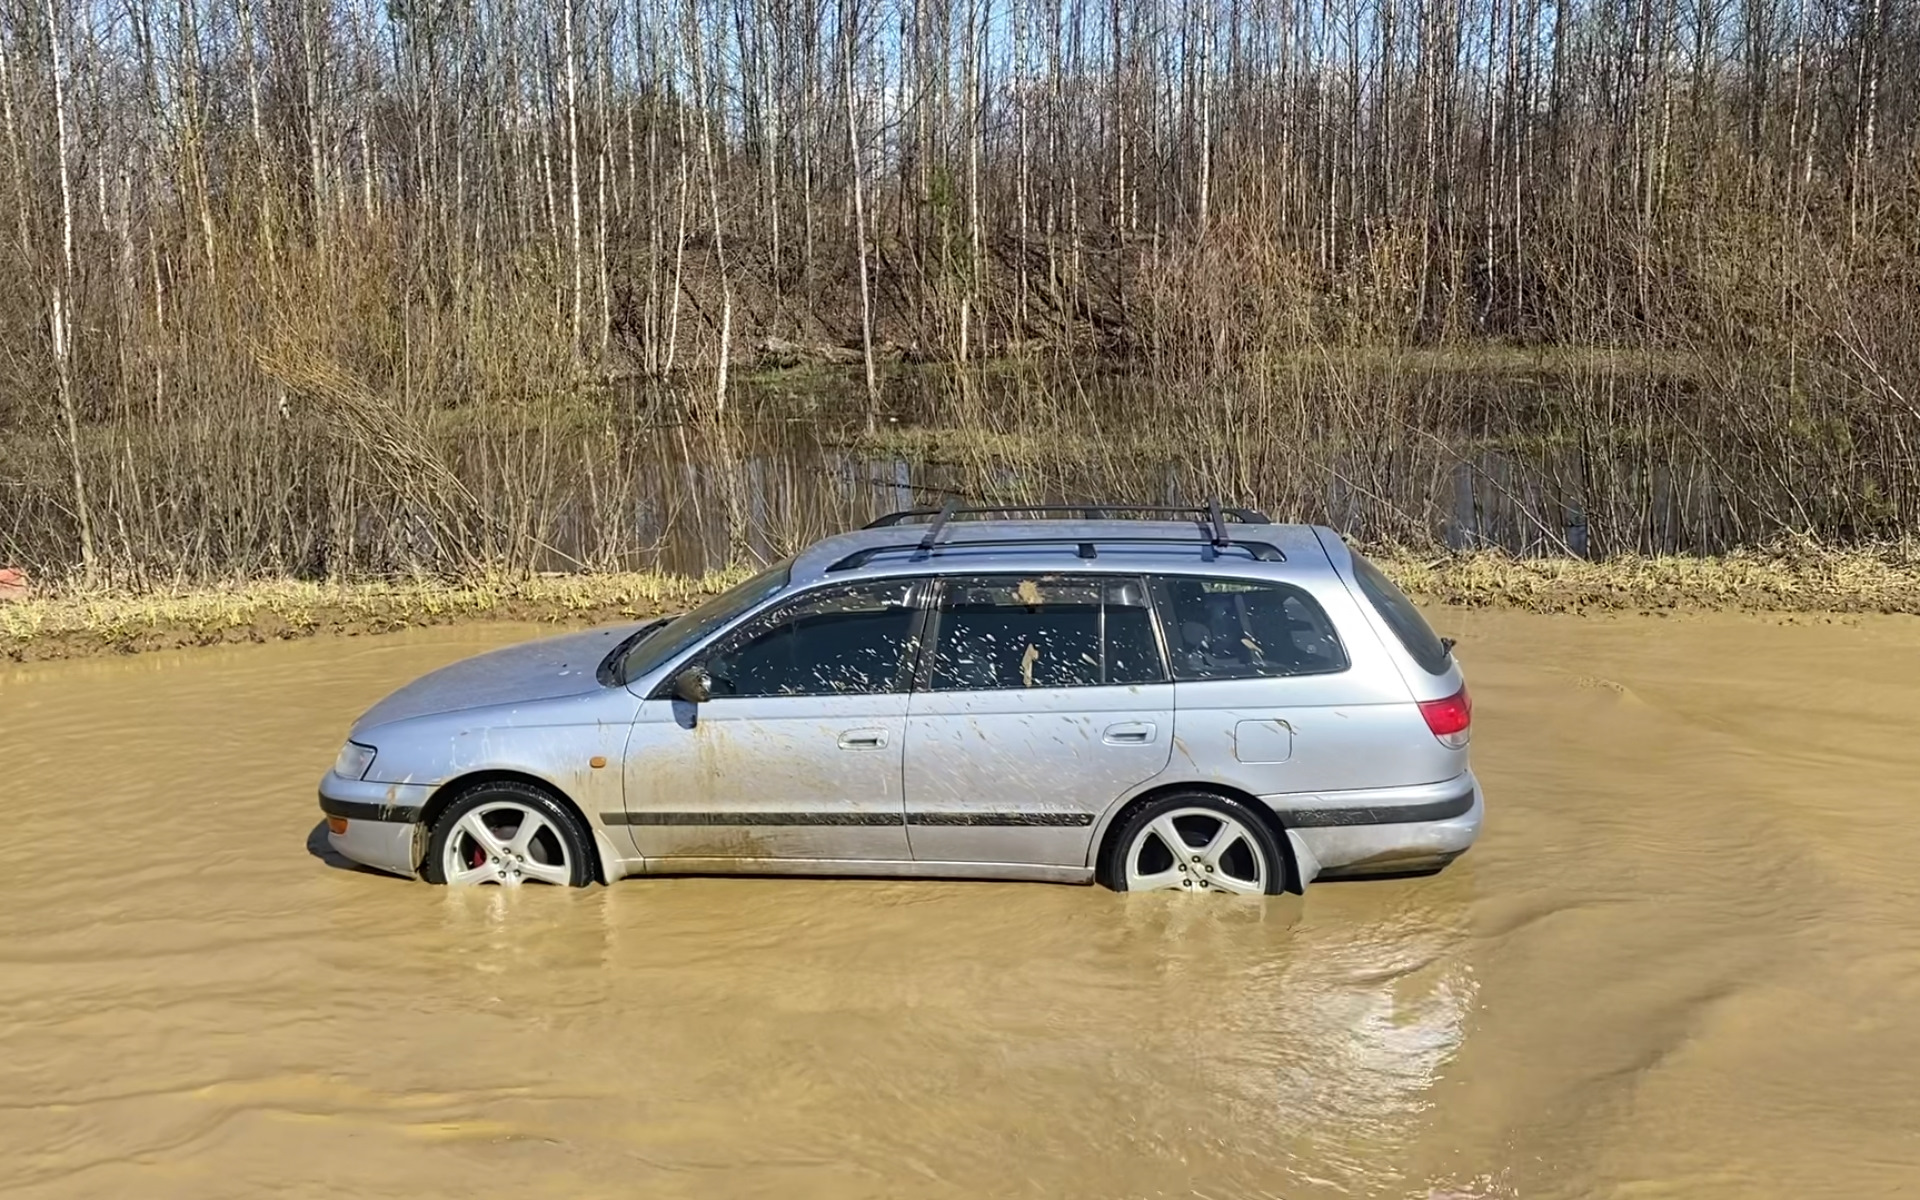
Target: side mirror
(693, 685)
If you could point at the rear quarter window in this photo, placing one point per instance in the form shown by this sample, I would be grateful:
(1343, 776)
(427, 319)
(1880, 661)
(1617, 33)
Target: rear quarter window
(1421, 642)
(1223, 628)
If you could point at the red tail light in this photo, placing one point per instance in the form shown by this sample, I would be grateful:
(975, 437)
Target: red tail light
(1451, 719)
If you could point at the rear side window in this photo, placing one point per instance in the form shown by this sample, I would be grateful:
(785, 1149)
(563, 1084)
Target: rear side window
(1037, 632)
(1402, 617)
(1246, 629)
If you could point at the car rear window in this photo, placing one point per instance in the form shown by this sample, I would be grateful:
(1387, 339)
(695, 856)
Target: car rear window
(1402, 617)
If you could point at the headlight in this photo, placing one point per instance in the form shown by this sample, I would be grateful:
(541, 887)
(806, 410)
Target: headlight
(353, 761)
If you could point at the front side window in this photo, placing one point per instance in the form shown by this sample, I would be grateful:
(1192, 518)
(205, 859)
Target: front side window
(1246, 629)
(838, 641)
(662, 642)
(1007, 632)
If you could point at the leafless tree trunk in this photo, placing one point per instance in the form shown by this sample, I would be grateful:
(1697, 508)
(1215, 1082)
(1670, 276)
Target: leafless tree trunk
(713, 200)
(849, 19)
(60, 297)
(573, 164)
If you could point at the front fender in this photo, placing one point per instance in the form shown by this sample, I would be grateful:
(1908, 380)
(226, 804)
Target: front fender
(575, 745)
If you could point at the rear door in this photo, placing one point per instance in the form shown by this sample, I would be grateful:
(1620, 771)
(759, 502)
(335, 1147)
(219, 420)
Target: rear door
(1040, 700)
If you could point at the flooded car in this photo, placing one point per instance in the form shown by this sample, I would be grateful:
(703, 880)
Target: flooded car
(1196, 700)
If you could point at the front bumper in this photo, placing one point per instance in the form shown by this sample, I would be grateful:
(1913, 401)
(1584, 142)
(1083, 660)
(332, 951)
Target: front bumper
(381, 822)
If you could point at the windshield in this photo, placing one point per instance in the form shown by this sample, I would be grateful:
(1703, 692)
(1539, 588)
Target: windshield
(663, 642)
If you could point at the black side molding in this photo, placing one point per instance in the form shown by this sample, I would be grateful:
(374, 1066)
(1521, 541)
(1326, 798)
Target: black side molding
(649, 817)
(1065, 820)
(775, 819)
(1379, 814)
(362, 810)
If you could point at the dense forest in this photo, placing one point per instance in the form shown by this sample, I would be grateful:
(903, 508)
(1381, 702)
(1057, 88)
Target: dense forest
(341, 286)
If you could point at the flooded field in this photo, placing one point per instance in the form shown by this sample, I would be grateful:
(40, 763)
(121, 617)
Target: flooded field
(1684, 961)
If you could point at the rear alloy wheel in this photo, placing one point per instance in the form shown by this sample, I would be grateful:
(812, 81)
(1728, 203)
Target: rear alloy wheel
(1197, 843)
(507, 834)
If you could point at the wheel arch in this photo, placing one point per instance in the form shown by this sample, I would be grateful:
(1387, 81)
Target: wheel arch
(1102, 844)
(451, 790)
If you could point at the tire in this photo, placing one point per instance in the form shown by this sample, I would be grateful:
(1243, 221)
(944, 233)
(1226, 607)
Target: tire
(556, 851)
(1248, 862)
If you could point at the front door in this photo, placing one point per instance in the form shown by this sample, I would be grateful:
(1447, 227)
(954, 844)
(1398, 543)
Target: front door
(798, 753)
(1042, 700)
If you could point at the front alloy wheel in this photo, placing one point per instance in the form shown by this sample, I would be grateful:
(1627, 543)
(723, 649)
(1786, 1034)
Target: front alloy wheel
(506, 834)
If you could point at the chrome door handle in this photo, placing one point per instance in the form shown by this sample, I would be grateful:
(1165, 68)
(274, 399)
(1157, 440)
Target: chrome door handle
(1134, 733)
(863, 739)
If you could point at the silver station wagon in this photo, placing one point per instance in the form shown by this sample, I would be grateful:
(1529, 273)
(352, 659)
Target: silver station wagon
(1185, 699)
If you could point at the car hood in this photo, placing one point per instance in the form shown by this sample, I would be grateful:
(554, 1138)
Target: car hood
(542, 670)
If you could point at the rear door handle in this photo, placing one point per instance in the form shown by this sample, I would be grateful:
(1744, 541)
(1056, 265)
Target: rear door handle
(863, 739)
(1133, 733)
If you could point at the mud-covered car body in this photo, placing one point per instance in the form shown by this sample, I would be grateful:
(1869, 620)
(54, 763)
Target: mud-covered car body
(960, 694)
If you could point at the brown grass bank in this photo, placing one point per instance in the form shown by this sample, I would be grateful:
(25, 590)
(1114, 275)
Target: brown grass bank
(78, 624)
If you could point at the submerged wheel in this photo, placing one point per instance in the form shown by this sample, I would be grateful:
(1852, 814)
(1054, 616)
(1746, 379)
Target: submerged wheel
(507, 834)
(1196, 842)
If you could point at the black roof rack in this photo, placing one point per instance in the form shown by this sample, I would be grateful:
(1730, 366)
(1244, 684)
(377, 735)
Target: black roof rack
(1212, 512)
(1212, 520)
(1260, 551)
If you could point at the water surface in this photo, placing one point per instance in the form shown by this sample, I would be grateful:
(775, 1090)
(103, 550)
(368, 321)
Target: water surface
(1684, 961)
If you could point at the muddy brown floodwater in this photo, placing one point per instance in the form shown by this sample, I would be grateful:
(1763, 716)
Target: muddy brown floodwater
(1684, 961)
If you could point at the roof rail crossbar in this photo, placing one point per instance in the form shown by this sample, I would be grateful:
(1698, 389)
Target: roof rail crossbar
(1219, 524)
(1215, 514)
(939, 522)
(1261, 551)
